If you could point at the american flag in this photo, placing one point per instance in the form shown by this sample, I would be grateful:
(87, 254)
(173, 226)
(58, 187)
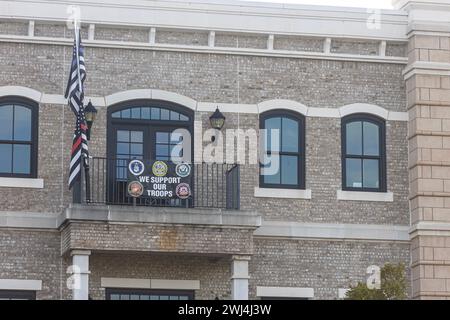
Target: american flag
(75, 95)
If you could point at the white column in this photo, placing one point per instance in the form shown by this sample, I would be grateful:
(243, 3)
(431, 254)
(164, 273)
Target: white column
(239, 277)
(80, 269)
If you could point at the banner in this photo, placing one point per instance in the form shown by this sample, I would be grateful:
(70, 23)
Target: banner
(159, 179)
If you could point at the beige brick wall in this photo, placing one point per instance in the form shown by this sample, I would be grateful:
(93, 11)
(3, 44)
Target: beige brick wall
(429, 160)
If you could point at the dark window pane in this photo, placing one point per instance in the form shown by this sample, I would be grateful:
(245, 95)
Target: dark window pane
(272, 178)
(126, 114)
(290, 135)
(175, 116)
(22, 123)
(162, 137)
(174, 298)
(165, 114)
(5, 158)
(115, 297)
(21, 159)
(163, 297)
(134, 297)
(184, 298)
(136, 113)
(371, 174)
(123, 148)
(183, 117)
(6, 122)
(154, 297)
(145, 297)
(353, 173)
(272, 124)
(136, 149)
(146, 113)
(116, 114)
(123, 136)
(156, 113)
(137, 136)
(124, 297)
(371, 139)
(289, 170)
(354, 138)
(162, 150)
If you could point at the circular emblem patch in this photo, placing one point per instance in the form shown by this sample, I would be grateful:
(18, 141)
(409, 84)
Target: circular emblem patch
(183, 170)
(136, 167)
(135, 189)
(159, 168)
(183, 191)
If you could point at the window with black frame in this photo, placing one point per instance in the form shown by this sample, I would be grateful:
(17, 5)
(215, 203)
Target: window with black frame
(18, 138)
(284, 150)
(17, 295)
(149, 294)
(363, 153)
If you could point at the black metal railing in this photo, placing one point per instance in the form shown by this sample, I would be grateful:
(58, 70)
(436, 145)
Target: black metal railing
(213, 186)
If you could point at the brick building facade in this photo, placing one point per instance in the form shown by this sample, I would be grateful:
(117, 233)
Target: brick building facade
(320, 65)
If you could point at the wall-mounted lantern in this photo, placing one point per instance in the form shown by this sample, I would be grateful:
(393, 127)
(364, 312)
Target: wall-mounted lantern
(217, 121)
(90, 113)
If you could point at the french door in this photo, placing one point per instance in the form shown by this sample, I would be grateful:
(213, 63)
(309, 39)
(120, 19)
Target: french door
(148, 142)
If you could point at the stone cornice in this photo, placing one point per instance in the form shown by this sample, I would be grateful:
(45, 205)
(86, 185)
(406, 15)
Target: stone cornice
(229, 16)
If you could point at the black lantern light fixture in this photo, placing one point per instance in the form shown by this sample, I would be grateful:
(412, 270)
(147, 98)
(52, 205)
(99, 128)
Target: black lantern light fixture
(91, 113)
(217, 121)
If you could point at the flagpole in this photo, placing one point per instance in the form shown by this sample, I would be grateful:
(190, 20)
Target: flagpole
(77, 187)
(77, 44)
(84, 161)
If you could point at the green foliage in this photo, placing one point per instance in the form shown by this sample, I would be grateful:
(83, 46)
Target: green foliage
(393, 285)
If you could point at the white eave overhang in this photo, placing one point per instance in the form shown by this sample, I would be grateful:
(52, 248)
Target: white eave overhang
(225, 16)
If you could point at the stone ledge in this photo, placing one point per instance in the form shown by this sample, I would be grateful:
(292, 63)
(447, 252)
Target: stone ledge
(365, 196)
(283, 193)
(22, 183)
(33, 220)
(296, 230)
(188, 216)
(16, 284)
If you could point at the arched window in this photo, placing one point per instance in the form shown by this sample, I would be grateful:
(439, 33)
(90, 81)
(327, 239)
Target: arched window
(363, 153)
(284, 150)
(18, 138)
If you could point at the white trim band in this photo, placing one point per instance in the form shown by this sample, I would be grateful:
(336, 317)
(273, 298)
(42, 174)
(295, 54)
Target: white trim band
(132, 283)
(25, 285)
(22, 183)
(365, 196)
(283, 193)
(285, 292)
(298, 230)
(198, 106)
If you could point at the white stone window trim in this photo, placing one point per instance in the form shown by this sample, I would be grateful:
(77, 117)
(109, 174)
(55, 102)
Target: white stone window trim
(20, 285)
(199, 106)
(285, 292)
(365, 196)
(31, 183)
(305, 194)
(133, 283)
(342, 293)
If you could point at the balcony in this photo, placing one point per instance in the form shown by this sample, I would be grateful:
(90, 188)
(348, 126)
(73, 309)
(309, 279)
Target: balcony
(214, 186)
(209, 222)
